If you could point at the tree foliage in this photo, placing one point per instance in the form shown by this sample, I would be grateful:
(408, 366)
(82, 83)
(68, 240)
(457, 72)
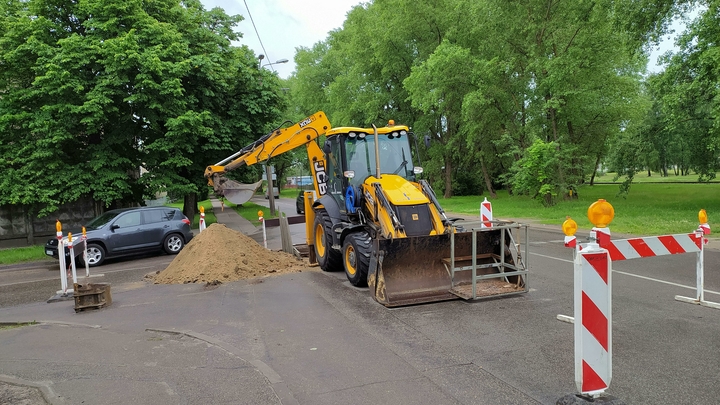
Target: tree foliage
(119, 100)
(486, 80)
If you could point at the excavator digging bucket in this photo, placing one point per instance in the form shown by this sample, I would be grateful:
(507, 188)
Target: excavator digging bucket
(417, 269)
(236, 193)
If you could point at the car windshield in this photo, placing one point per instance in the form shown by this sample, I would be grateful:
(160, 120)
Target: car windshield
(103, 219)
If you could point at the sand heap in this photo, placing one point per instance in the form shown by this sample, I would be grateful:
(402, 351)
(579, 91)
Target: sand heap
(222, 254)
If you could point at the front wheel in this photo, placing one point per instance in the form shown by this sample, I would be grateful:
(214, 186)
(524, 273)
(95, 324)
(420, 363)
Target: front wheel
(328, 258)
(95, 255)
(173, 244)
(356, 258)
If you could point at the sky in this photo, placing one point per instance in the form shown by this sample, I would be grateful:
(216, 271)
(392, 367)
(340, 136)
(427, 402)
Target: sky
(284, 25)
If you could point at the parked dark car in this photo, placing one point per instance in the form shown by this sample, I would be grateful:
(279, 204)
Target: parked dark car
(300, 203)
(128, 231)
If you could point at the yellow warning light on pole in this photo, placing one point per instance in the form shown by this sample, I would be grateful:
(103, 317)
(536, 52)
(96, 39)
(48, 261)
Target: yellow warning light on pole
(58, 226)
(601, 213)
(260, 214)
(70, 237)
(702, 216)
(202, 209)
(84, 232)
(569, 227)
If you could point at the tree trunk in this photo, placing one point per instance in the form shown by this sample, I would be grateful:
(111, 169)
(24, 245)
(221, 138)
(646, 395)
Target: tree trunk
(190, 206)
(597, 162)
(488, 183)
(448, 176)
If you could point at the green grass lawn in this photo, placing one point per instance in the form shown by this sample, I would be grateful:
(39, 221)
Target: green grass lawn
(649, 209)
(642, 177)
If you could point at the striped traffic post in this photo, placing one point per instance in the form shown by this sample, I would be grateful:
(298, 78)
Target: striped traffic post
(202, 218)
(486, 214)
(593, 320)
(593, 306)
(703, 229)
(72, 258)
(85, 258)
(61, 258)
(262, 221)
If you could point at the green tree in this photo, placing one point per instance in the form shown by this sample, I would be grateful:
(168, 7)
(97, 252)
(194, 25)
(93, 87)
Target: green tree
(93, 90)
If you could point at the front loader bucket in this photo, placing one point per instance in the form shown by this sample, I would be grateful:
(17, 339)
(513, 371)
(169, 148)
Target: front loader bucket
(416, 270)
(236, 193)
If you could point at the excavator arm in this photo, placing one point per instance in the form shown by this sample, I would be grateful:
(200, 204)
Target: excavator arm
(270, 145)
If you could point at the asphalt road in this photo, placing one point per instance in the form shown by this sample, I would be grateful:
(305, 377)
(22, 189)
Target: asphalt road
(331, 343)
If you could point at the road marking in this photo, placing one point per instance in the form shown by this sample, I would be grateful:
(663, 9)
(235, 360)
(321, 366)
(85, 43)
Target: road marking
(635, 275)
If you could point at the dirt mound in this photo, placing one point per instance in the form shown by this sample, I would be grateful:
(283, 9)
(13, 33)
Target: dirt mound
(222, 254)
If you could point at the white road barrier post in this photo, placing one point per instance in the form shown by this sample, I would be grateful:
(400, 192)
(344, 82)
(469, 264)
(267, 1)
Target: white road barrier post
(593, 315)
(85, 258)
(61, 259)
(201, 226)
(592, 321)
(72, 259)
(262, 221)
(703, 229)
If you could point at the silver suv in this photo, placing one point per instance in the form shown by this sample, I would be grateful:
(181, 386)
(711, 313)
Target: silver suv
(128, 231)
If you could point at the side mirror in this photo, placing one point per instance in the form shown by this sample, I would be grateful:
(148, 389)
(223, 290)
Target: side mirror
(114, 227)
(327, 147)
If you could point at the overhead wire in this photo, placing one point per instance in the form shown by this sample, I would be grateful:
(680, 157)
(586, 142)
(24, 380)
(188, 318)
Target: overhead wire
(258, 34)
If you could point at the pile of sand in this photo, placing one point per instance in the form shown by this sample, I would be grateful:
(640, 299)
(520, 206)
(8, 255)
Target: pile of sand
(220, 254)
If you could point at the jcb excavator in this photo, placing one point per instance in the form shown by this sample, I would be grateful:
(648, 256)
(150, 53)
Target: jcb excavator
(372, 217)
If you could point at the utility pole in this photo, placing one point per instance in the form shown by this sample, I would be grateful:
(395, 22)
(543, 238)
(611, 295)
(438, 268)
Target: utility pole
(270, 193)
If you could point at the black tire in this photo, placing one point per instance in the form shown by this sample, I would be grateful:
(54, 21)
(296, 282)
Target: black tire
(356, 258)
(328, 258)
(173, 244)
(95, 255)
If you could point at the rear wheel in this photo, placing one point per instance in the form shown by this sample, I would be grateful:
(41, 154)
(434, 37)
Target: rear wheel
(173, 244)
(328, 258)
(356, 258)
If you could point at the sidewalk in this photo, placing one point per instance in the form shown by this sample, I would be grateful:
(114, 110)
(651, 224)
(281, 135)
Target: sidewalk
(230, 218)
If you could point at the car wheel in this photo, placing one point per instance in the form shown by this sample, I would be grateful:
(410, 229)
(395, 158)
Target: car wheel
(95, 255)
(173, 244)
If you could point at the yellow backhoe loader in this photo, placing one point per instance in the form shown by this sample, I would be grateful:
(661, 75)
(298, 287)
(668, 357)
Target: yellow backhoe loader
(372, 217)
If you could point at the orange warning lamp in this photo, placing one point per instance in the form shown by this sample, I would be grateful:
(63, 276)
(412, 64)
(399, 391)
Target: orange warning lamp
(702, 216)
(70, 237)
(58, 226)
(84, 232)
(569, 227)
(601, 213)
(202, 209)
(260, 213)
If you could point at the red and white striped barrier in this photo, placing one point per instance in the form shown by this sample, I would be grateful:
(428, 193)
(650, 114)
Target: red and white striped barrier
(486, 214)
(593, 320)
(651, 246)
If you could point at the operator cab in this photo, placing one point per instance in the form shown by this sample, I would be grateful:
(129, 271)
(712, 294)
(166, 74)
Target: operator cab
(350, 156)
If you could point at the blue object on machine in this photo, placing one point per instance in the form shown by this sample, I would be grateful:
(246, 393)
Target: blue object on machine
(350, 199)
